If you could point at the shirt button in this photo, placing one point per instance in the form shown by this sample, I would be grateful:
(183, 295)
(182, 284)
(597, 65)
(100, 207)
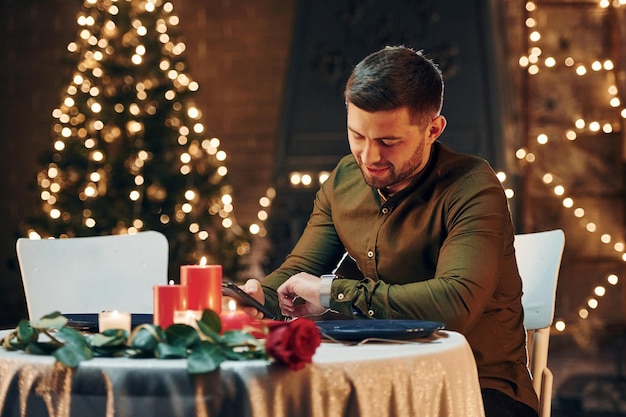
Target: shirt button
(370, 312)
(340, 296)
(370, 253)
(385, 210)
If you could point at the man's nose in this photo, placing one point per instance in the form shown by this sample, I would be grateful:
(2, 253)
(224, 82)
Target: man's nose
(370, 154)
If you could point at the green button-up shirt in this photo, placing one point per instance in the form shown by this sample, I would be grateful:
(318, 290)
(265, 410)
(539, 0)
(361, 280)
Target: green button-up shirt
(441, 250)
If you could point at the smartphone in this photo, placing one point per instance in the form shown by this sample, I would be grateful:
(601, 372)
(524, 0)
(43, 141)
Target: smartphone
(231, 290)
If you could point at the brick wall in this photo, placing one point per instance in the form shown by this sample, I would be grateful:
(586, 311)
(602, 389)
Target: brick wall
(238, 52)
(33, 36)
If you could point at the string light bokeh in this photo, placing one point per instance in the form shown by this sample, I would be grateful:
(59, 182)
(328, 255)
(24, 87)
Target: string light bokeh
(540, 59)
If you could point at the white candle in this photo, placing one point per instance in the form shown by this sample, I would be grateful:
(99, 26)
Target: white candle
(113, 320)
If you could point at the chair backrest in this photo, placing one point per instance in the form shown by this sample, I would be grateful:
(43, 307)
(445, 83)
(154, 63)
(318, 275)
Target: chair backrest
(86, 275)
(539, 260)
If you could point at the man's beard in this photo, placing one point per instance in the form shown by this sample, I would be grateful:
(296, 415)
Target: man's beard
(394, 175)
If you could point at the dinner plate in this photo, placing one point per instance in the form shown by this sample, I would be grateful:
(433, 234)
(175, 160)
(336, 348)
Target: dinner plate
(89, 322)
(356, 330)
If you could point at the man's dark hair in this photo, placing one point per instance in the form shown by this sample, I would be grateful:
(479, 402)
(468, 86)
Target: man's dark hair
(394, 77)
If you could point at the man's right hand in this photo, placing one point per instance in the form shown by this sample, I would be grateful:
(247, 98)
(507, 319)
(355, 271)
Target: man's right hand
(253, 287)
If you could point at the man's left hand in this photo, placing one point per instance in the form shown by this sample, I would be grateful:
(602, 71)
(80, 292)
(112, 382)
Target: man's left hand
(303, 286)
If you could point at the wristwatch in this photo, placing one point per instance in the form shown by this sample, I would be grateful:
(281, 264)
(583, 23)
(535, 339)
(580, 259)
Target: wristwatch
(327, 282)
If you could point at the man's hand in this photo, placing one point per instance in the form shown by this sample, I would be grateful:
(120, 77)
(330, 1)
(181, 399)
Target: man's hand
(253, 287)
(302, 286)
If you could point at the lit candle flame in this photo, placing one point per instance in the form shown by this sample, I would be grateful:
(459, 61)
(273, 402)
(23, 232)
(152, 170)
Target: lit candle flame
(232, 306)
(203, 261)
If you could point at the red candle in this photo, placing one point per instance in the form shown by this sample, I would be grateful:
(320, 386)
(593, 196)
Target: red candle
(234, 319)
(205, 286)
(166, 300)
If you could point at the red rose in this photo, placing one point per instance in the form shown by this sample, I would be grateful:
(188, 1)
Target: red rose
(293, 343)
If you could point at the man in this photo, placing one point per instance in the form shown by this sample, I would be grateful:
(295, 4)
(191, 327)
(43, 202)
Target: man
(429, 229)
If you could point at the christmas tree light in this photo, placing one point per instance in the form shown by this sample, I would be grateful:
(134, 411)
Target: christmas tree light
(130, 151)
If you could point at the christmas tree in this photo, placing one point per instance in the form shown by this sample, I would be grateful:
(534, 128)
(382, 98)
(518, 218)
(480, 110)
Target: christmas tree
(130, 152)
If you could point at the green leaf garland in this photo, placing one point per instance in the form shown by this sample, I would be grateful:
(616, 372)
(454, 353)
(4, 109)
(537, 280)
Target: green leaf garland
(204, 348)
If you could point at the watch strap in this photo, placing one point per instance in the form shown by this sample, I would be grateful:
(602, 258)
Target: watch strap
(325, 287)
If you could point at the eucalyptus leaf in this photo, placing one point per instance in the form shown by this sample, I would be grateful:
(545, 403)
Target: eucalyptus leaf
(75, 347)
(181, 335)
(109, 338)
(237, 338)
(208, 332)
(71, 337)
(72, 355)
(25, 332)
(146, 337)
(121, 333)
(205, 357)
(167, 351)
(50, 321)
(109, 352)
(41, 348)
(212, 320)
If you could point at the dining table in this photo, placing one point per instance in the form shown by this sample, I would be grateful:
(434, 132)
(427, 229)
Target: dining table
(433, 376)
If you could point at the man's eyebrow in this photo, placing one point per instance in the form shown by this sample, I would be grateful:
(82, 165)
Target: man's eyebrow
(392, 138)
(354, 131)
(380, 138)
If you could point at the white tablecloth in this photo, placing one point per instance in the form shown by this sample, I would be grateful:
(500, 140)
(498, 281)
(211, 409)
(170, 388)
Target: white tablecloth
(433, 378)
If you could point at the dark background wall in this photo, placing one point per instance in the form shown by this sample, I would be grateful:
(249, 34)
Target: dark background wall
(33, 36)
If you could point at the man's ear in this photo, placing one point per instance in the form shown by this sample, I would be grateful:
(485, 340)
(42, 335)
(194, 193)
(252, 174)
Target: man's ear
(436, 127)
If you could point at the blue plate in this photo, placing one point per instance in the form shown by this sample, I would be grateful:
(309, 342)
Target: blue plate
(356, 330)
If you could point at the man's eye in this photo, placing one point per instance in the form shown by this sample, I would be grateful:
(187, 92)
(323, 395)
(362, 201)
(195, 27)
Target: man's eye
(389, 142)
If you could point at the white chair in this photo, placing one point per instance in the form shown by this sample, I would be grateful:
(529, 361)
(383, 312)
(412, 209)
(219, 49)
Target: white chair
(86, 275)
(539, 260)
